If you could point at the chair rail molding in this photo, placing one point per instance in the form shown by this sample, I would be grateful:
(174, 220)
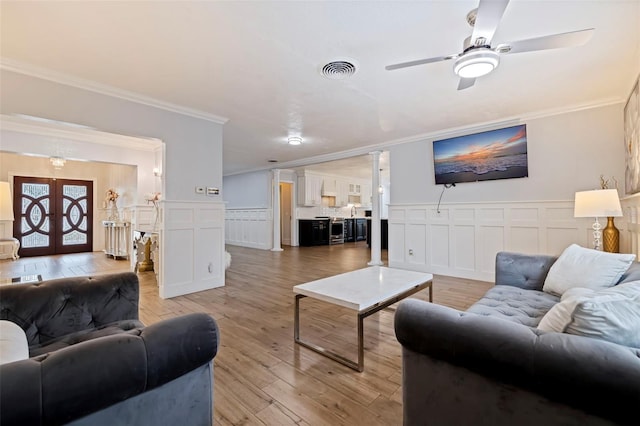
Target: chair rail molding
(462, 239)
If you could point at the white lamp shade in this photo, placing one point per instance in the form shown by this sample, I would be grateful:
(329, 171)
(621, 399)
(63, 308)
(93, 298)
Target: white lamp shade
(597, 203)
(6, 203)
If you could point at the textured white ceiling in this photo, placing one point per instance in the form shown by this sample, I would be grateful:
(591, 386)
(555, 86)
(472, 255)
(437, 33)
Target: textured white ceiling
(256, 63)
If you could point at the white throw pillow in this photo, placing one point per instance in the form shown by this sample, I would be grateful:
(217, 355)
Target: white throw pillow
(582, 267)
(13, 343)
(612, 314)
(559, 316)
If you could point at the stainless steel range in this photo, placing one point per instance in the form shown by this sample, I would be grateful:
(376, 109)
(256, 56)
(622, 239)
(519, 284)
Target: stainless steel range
(336, 234)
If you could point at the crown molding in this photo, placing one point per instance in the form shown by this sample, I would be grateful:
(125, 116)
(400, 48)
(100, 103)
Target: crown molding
(103, 89)
(62, 131)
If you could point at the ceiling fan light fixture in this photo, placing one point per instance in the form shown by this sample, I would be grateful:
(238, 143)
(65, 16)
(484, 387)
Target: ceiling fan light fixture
(476, 63)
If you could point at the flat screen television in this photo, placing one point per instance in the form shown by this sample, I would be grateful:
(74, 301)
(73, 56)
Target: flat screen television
(495, 154)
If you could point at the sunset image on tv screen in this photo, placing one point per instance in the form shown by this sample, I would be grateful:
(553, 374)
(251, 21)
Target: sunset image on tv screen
(496, 154)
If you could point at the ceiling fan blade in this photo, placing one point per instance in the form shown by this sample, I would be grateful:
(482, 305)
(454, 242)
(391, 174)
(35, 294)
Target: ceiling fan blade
(465, 83)
(487, 20)
(555, 41)
(420, 62)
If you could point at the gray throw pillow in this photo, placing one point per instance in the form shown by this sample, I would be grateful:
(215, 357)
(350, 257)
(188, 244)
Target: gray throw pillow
(612, 314)
(582, 267)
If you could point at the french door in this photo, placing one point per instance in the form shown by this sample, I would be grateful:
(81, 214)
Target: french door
(52, 216)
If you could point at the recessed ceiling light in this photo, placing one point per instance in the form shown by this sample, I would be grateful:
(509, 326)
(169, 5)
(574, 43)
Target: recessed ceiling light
(294, 140)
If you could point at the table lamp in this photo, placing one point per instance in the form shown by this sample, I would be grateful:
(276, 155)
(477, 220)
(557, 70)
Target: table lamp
(601, 203)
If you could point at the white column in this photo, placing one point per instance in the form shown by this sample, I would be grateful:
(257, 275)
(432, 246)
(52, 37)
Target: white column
(276, 211)
(376, 256)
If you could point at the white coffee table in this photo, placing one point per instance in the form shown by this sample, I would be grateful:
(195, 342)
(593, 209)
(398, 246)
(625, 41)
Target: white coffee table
(366, 291)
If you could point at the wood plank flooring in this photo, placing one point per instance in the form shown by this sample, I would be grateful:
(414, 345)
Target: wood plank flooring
(261, 376)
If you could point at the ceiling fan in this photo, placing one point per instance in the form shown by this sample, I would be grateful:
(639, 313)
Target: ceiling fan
(478, 58)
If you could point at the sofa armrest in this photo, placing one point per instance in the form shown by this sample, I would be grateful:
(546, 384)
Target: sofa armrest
(573, 370)
(55, 308)
(70, 383)
(522, 270)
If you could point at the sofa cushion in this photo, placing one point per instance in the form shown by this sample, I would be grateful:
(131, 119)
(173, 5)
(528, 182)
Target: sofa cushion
(515, 304)
(13, 343)
(84, 335)
(582, 267)
(612, 314)
(559, 316)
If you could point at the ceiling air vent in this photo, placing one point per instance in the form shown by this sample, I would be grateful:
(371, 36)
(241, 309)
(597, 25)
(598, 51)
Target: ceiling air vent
(339, 69)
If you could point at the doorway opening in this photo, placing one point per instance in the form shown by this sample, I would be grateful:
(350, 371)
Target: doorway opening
(286, 212)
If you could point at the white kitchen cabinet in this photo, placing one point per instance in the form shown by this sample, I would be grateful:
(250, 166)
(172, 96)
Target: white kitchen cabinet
(365, 195)
(310, 190)
(329, 187)
(342, 199)
(354, 189)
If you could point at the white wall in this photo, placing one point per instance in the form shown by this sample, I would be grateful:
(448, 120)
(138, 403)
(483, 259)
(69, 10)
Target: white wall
(567, 153)
(193, 145)
(248, 190)
(193, 157)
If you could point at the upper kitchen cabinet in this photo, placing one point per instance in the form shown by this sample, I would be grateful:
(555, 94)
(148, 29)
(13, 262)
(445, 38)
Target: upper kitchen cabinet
(342, 199)
(329, 187)
(366, 195)
(336, 188)
(310, 189)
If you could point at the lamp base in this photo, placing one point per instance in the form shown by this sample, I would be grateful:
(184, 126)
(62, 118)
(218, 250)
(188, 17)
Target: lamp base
(611, 237)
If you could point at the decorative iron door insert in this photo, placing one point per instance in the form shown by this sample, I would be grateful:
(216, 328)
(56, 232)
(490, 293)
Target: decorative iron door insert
(53, 216)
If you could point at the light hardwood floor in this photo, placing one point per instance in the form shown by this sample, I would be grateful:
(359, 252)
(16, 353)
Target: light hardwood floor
(261, 377)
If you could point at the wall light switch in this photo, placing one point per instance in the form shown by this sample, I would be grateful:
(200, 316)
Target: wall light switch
(199, 189)
(212, 191)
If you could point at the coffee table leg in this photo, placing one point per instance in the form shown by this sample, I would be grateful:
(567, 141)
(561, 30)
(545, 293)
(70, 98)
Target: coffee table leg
(360, 342)
(296, 319)
(322, 351)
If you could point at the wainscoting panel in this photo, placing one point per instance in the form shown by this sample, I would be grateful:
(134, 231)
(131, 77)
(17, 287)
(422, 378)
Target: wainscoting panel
(192, 247)
(491, 241)
(397, 245)
(180, 251)
(249, 228)
(416, 237)
(523, 239)
(559, 238)
(464, 247)
(439, 245)
(463, 239)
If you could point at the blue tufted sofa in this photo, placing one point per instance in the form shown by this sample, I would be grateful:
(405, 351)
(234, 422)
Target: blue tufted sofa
(92, 362)
(491, 366)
